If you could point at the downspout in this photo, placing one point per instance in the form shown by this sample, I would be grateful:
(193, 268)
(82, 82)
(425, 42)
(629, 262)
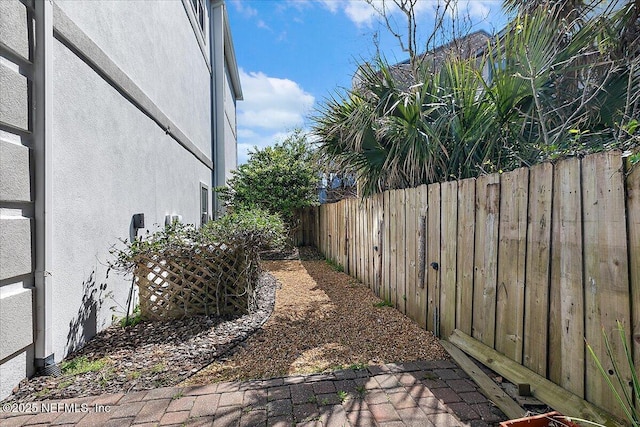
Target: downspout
(44, 356)
(216, 47)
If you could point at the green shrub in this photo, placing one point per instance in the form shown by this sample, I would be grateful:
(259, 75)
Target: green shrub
(254, 229)
(279, 179)
(176, 236)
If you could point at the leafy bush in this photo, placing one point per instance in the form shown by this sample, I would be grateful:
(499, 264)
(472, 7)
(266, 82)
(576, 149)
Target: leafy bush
(254, 229)
(280, 179)
(176, 236)
(554, 89)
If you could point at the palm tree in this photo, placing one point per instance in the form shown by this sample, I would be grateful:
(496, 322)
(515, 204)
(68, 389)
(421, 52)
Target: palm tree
(554, 90)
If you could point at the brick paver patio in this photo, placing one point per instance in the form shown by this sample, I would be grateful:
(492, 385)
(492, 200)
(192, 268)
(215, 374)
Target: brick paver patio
(424, 394)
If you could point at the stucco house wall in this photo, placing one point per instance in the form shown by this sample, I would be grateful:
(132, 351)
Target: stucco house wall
(122, 122)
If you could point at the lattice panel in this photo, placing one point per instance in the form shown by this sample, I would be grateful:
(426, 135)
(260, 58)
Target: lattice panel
(212, 279)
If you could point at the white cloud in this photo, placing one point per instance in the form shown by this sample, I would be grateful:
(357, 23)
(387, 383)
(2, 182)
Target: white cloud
(361, 13)
(272, 103)
(365, 15)
(331, 5)
(244, 9)
(271, 108)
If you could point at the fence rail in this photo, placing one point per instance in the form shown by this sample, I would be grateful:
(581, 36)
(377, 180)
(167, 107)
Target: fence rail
(530, 262)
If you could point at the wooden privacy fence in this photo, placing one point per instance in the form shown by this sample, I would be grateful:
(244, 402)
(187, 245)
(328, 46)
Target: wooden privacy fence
(530, 262)
(214, 279)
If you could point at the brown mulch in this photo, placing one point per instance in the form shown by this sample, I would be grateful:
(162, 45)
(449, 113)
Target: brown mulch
(322, 320)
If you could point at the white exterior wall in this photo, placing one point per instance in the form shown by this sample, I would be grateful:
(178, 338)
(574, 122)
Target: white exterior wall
(116, 162)
(154, 43)
(123, 122)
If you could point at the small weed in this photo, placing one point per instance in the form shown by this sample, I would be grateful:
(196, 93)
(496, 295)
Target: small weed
(179, 394)
(160, 382)
(430, 376)
(65, 384)
(358, 366)
(133, 375)
(384, 303)
(404, 297)
(105, 377)
(81, 365)
(157, 368)
(361, 391)
(324, 402)
(133, 319)
(312, 399)
(343, 395)
(44, 392)
(335, 266)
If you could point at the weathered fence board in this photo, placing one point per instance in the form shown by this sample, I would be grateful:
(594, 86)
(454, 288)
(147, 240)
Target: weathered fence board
(393, 247)
(536, 310)
(514, 189)
(605, 268)
(633, 223)
(386, 248)
(486, 258)
(402, 252)
(421, 303)
(378, 224)
(411, 226)
(566, 305)
(466, 245)
(433, 258)
(448, 251)
(529, 262)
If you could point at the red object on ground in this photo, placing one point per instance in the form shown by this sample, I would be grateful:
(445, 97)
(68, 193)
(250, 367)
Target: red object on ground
(550, 419)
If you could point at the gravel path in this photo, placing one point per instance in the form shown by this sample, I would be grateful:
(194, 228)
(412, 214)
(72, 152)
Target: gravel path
(322, 320)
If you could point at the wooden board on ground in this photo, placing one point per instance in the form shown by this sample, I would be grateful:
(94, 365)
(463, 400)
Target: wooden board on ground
(448, 247)
(606, 270)
(488, 387)
(553, 395)
(485, 258)
(433, 258)
(536, 310)
(512, 244)
(465, 251)
(566, 305)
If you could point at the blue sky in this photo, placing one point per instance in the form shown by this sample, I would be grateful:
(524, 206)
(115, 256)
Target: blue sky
(293, 54)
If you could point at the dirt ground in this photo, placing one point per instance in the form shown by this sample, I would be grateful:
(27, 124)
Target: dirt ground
(323, 320)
